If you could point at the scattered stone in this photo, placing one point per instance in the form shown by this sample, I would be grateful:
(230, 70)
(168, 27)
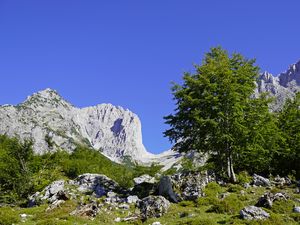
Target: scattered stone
(153, 206)
(55, 205)
(246, 185)
(268, 198)
(88, 210)
(23, 216)
(261, 181)
(156, 223)
(296, 209)
(165, 189)
(132, 199)
(118, 219)
(144, 179)
(281, 181)
(124, 206)
(253, 213)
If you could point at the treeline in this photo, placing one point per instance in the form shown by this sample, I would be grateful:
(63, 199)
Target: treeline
(216, 113)
(22, 172)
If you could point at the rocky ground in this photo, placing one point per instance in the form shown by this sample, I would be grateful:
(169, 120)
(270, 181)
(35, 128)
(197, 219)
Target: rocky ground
(183, 198)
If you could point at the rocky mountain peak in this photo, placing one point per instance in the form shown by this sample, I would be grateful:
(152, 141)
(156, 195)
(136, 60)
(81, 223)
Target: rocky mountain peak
(45, 98)
(282, 86)
(291, 76)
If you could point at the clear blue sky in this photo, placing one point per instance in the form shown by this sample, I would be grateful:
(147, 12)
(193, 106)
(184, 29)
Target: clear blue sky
(127, 52)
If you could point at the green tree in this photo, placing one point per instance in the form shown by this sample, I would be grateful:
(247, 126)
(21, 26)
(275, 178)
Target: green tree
(216, 109)
(15, 176)
(289, 123)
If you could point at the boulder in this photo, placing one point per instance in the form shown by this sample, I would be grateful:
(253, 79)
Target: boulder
(267, 199)
(144, 178)
(165, 189)
(261, 181)
(96, 183)
(296, 209)
(153, 206)
(253, 213)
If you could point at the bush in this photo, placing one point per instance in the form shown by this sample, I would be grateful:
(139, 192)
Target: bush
(243, 177)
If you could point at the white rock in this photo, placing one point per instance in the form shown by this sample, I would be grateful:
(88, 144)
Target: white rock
(118, 219)
(23, 216)
(296, 209)
(156, 223)
(132, 199)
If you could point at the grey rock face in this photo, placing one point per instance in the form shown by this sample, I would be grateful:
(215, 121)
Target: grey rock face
(165, 189)
(153, 206)
(261, 181)
(282, 87)
(253, 213)
(52, 123)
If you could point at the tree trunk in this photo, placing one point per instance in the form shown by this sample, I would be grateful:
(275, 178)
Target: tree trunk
(230, 171)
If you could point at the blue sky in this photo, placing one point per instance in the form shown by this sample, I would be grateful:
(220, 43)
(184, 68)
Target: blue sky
(128, 52)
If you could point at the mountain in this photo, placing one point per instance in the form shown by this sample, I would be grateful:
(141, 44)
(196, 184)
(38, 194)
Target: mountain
(282, 86)
(53, 123)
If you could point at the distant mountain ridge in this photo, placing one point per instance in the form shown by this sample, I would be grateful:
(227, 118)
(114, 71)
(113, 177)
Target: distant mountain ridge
(282, 86)
(53, 123)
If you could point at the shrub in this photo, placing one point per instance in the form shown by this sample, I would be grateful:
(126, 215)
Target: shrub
(243, 177)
